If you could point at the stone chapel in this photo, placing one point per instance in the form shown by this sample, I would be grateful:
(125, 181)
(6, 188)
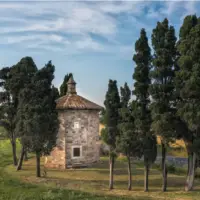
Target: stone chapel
(78, 134)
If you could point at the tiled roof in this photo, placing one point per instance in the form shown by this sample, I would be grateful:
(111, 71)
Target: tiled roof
(73, 101)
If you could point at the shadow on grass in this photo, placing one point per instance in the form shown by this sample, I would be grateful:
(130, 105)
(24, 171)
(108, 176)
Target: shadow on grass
(13, 189)
(173, 183)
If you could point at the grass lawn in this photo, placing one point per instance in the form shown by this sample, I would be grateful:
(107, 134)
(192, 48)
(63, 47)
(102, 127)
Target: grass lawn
(87, 183)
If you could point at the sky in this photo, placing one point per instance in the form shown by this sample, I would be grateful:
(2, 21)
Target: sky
(94, 40)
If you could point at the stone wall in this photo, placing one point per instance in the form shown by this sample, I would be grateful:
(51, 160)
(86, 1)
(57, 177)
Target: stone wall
(57, 157)
(86, 137)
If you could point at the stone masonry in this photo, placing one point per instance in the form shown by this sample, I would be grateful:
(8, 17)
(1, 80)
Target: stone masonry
(79, 128)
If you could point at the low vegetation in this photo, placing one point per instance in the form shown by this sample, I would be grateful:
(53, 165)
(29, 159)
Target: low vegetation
(22, 186)
(88, 183)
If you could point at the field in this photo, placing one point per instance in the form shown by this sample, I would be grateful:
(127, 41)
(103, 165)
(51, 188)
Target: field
(87, 183)
(176, 149)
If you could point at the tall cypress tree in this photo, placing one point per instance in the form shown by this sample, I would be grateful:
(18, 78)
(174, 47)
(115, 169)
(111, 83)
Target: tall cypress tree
(188, 87)
(7, 111)
(37, 117)
(20, 77)
(14, 79)
(162, 87)
(129, 140)
(142, 58)
(109, 134)
(63, 87)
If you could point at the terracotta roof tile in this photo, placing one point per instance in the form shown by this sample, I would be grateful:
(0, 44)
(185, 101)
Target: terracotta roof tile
(73, 101)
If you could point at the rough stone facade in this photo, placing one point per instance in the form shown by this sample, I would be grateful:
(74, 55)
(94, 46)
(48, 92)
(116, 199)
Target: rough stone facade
(86, 137)
(78, 131)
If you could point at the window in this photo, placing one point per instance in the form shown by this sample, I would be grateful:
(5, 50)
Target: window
(76, 124)
(76, 151)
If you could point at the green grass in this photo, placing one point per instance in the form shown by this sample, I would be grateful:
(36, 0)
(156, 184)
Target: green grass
(88, 183)
(12, 188)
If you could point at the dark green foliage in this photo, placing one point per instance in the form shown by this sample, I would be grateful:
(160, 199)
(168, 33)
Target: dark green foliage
(112, 105)
(55, 92)
(110, 133)
(189, 73)
(14, 79)
(150, 150)
(2, 132)
(129, 141)
(63, 87)
(188, 86)
(102, 116)
(37, 117)
(125, 95)
(7, 109)
(162, 74)
(162, 87)
(142, 58)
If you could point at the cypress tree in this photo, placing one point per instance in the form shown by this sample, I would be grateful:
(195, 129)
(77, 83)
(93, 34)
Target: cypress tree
(142, 58)
(37, 116)
(102, 116)
(20, 77)
(63, 87)
(55, 91)
(162, 87)
(129, 140)
(109, 134)
(7, 111)
(188, 87)
(14, 79)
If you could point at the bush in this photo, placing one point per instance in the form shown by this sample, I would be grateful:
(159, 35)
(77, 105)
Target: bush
(104, 149)
(171, 168)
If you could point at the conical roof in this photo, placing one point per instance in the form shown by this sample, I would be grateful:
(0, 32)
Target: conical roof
(73, 101)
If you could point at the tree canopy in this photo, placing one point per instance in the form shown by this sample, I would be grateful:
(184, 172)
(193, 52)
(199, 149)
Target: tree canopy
(142, 58)
(63, 87)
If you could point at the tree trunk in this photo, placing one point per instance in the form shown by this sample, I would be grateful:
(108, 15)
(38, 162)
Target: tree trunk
(164, 168)
(19, 167)
(25, 155)
(111, 172)
(146, 178)
(14, 152)
(191, 172)
(38, 173)
(129, 174)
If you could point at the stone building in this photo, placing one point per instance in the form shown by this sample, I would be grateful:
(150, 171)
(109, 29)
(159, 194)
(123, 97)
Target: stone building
(78, 135)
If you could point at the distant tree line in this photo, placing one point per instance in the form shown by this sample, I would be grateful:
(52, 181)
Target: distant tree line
(166, 103)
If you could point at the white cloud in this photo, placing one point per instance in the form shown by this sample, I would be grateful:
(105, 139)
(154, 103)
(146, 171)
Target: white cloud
(117, 7)
(190, 8)
(19, 39)
(40, 24)
(88, 43)
(36, 24)
(152, 13)
(70, 17)
(170, 7)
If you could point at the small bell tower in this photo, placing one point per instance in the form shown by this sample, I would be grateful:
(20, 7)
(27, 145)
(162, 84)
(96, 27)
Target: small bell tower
(71, 86)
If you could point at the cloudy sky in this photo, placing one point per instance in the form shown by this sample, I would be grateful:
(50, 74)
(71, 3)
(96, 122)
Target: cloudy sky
(92, 39)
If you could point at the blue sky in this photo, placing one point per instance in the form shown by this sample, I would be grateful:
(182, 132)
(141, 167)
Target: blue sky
(92, 39)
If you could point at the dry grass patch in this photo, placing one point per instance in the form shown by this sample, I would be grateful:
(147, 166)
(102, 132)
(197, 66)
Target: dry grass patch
(94, 180)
